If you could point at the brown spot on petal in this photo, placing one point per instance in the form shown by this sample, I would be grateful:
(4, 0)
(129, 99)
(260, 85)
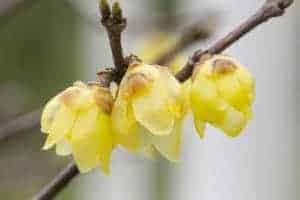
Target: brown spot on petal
(223, 66)
(68, 97)
(103, 99)
(135, 83)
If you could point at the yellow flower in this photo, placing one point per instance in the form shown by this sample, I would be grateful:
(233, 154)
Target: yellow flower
(148, 111)
(156, 45)
(78, 122)
(222, 93)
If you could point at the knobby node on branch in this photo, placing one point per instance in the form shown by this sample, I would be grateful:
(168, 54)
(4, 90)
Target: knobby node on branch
(115, 24)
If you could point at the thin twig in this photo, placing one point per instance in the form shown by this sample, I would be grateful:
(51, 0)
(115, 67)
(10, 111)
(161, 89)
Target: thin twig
(270, 9)
(115, 24)
(59, 182)
(21, 123)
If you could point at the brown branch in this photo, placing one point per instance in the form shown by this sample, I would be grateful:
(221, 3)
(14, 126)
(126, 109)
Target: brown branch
(21, 123)
(115, 24)
(58, 183)
(270, 9)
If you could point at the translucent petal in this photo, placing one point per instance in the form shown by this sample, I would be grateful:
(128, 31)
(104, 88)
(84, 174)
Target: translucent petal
(123, 119)
(49, 114)
(230, 89)
(106, 141)
(149, 152)
(205, 100)
(131, 142)
(169, 146)
(92, 140)
(61, 126)
(200, 126)
(63, 148)
(185, 96)
(153, 111)
(233, 123)
(77, 98)
(247, 84)
(175, 92)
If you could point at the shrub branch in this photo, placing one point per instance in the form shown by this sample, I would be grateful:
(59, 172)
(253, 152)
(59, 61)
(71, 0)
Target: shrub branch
(270, 9)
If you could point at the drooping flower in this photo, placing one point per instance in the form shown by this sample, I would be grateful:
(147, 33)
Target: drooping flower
(78, 122)
(222, 94)
(148, 111)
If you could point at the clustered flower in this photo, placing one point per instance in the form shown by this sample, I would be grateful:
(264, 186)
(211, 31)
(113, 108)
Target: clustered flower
(145, 115)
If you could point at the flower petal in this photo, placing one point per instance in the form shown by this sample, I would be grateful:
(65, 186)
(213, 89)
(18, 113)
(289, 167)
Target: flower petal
(170, 145)
(153, 112)
(92, 140)
(63, 148)
(62, 125)
(49, 114)
(205, 100)
(123, 118)
(233, 123)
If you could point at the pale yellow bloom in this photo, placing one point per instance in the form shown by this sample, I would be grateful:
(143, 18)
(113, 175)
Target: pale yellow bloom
(156, 45)
(222, 94)
(148, 111)
(78, 122)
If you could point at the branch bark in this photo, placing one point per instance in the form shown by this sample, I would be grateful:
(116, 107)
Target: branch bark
(270, 9)
(115, 24)
(59, 182)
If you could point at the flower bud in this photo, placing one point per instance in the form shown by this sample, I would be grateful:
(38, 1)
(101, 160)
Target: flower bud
(78, 122)
(222, 94)
(147, 110)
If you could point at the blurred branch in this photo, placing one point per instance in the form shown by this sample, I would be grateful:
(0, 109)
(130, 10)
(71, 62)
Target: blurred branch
(11, 8)
(58, 183)
(270, 9)
(21, 123)
(196, 32)
(115, 24)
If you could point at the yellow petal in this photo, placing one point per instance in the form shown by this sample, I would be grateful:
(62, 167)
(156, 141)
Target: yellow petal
(233, 123)
(131, 142)
(62, 125)
(92, 140)
(49, 114)
(149, 152)
(152, 111)
(63, 148)
(106, 141)
(157, 109)
(200, 126)
(123, 118)
(78, 97)
(185, 96)
(205, 100)
(169, 146)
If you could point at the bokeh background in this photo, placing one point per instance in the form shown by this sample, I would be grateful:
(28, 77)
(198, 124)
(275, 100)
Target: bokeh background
(45, 45)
